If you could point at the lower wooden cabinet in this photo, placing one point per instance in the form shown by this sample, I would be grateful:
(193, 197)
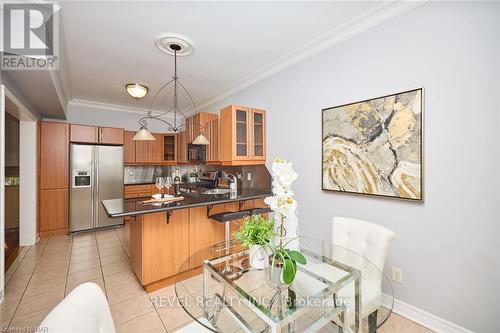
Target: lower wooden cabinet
(53, 212)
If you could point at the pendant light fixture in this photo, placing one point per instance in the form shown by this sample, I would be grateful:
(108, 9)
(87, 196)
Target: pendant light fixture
(172, 92)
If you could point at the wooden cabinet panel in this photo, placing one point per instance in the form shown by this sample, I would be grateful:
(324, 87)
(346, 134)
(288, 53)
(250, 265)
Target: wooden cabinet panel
(128, 147)
(169, 148)
(212, 134)
(171, 241)
(53, 206)
(143, 151)
(156, 149)
(83, 134)
(204, 232)
(258, 138)
(182, 148)
(110, 135)
(137, 191)
(54, 155)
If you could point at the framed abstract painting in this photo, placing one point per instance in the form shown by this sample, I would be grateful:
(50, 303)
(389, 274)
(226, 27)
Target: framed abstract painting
(374, 147)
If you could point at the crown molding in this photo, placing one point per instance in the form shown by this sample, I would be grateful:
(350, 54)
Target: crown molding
(110, 107)
(368, 20)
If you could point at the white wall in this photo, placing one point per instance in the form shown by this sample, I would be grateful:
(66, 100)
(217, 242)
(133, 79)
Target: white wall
(27, 188)
(447, 246)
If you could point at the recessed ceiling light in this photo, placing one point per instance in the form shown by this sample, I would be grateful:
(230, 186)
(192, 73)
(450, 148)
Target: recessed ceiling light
(171, 43)
(136, 90)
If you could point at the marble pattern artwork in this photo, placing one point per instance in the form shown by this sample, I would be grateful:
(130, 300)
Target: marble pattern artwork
(375, 146)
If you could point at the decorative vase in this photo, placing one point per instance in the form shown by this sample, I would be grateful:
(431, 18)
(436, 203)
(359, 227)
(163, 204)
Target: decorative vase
(275, 274)
(258, 257)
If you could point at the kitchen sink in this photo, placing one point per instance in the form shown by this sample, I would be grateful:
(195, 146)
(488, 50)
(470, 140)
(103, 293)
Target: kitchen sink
(217, 191)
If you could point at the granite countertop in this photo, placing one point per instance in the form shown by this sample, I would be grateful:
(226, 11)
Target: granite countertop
(130, 207)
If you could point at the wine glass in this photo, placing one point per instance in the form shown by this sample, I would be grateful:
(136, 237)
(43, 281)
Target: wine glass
(160, 183)
(168, 183)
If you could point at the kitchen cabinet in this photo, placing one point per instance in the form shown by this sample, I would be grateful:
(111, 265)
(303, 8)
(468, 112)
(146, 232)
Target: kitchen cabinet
(212, 133)
(83, 133)
(143, 152)
(203, 231)
(53, 155)
(53, 212)
(138, 191)
(182, 157)
(242, 135)
(169, 148)
(128, 147)
(110, 135)
(171, 250)
(193, 128)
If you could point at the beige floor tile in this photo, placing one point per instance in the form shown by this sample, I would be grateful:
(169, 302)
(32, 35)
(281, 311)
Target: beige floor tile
(117, 267)
(173, 317)
(16, 286)
(86, 275)
(111, 251)
(90, 242)
(84, 257)
(46, 286)
(39, 302)
(99, 282)
(27, 322)
(124, 291)
(83, 265)
(7, 310)
(118, 279)
(164, 297)
(108, 244)
(149, 322)
(46, 273)
(114, 258)
(35, 251)
(84, 249)
(131, 308)
(82, 238)
(27, 266)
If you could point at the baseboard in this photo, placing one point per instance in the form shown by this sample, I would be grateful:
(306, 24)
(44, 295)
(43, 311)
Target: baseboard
(426, 319)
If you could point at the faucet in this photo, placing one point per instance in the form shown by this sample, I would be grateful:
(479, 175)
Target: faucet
(233, 186)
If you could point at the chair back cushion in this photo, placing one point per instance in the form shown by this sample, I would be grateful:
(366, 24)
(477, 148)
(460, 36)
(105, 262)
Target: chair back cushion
(84, 310)
(366, 239)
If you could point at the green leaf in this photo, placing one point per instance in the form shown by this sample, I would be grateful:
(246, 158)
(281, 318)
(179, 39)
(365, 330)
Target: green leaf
(288, 271)
(296, 256)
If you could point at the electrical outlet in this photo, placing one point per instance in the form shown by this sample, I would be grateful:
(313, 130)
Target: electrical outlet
(397, 275)
(249, 176)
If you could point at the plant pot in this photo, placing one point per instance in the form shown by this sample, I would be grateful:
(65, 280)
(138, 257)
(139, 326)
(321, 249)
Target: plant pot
(275, 274)
(258, 257)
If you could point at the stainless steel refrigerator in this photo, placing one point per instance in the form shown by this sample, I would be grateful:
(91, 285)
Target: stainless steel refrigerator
(96, 175)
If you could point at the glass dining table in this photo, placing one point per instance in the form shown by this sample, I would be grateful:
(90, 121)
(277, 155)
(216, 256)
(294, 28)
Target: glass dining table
(336, 290)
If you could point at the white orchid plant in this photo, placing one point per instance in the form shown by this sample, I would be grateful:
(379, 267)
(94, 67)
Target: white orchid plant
(284, 205)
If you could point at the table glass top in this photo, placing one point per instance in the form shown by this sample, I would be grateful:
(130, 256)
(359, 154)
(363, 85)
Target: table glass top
(322, 287)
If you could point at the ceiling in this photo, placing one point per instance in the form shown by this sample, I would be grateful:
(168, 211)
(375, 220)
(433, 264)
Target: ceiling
(104, 45)
(109, 44)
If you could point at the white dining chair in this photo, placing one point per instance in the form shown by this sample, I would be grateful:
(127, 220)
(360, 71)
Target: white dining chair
(370, 241)
(84, 310)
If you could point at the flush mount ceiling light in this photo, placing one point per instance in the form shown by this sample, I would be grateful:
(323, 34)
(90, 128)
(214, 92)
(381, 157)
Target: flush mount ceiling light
(136, 90)
(172, 96)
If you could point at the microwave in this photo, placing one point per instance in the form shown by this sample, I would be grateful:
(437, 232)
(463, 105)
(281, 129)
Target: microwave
(196, 153)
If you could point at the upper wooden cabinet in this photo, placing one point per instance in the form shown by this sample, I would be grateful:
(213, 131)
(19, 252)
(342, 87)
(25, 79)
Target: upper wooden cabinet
(193, 128)
(161, 151)
(83, 133)
(53, 155)
(242, 135)
(128, 147)
(110, 135)
(182, 157)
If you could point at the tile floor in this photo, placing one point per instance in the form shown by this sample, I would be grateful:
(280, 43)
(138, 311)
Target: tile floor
(44, 273)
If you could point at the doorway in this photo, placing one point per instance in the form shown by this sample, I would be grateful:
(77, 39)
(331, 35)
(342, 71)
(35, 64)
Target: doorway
(12, 181)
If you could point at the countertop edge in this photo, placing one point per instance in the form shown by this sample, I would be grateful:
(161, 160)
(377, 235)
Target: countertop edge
(198, 204)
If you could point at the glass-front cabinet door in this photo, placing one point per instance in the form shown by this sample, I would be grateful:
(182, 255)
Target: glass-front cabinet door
(259, 137)
(242, 117)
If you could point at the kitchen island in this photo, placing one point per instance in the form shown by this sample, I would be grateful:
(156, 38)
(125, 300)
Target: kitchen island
(164, 236)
